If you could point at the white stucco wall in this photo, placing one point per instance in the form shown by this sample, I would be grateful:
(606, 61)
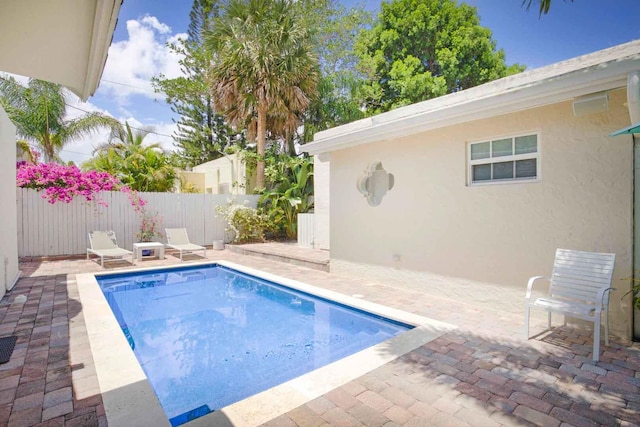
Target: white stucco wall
(432, 221)
(321, 200)
(220, 173)
(8, 221)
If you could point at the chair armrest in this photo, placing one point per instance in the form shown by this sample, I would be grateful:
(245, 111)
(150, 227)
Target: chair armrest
(603, 297)
(530, 285)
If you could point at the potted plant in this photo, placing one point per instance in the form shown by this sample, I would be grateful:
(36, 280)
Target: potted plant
(635, 298)
(149, 229)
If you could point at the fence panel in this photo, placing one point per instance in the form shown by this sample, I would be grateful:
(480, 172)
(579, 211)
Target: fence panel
(46, 229)
(305, 230)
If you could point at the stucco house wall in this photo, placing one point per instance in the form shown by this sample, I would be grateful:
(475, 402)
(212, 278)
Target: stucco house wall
(8, 224)
(321, 201)
(433, 221)
(194, 179)
(225, 175)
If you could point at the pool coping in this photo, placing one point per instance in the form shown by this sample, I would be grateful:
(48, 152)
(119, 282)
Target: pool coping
(129, 399)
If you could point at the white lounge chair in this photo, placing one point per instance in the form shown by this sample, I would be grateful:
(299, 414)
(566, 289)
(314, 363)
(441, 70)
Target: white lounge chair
(579, 287)
(104, 245)
(178, 239)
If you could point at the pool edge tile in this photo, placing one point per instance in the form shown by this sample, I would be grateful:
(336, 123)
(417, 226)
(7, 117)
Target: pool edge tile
(127, 395)
(129, 399)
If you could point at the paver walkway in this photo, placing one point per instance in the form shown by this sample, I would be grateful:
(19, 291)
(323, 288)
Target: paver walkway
(477, 375)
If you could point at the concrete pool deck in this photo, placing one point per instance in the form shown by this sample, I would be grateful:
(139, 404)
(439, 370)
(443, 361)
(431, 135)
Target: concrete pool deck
(479, 374)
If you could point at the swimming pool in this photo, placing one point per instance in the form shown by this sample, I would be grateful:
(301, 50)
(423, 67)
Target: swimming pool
(129, 399)
(209, 336)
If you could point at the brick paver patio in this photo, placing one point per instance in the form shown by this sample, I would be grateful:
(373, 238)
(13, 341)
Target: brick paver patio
(481, 374)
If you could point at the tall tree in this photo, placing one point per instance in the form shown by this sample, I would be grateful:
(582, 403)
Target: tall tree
(264, 71)
(39, 109)
(334, 29)
(201, 132)
(422, 49)
(140, 166)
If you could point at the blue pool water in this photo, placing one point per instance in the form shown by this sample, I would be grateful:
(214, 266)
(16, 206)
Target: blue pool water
(207, 337)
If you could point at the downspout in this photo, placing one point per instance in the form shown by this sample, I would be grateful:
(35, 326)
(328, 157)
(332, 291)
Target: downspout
(633, 105)
(231, 190)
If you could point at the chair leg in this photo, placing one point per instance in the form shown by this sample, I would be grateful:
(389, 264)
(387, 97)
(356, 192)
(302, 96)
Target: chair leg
(526, 322)
(606, 326)
(596, 340)
(549, 320)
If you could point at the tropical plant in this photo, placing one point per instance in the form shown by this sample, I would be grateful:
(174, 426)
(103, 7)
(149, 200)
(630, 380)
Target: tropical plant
(140, 166)
(292, 194)
(545, 5)
(38, 111)
(23, 149)
(149, 227)
(422, 49)
(264, 72)
(245, 223)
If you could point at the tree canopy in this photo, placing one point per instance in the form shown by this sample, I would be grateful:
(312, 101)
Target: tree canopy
(264, 72)
(334, 29)
(422, 49)
(140, 166)
(39, 111)
(202, 132)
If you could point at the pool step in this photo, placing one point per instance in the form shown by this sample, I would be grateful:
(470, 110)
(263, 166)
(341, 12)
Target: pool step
(285, 252)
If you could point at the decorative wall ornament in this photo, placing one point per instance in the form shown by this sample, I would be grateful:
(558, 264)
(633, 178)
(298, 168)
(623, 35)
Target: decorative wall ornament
(374, 183)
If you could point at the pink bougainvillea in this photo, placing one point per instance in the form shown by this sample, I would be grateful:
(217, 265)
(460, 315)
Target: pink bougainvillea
(61, 183)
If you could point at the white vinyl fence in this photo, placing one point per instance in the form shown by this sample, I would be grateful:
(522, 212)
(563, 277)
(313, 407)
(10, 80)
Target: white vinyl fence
(305, 230)
(46, 229)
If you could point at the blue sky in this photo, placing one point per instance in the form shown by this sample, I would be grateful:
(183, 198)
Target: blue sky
(138, 50)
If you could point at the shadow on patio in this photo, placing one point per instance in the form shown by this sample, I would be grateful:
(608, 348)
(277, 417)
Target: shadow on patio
(462, 378)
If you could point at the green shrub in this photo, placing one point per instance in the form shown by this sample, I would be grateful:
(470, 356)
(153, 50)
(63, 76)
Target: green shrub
(245, 223)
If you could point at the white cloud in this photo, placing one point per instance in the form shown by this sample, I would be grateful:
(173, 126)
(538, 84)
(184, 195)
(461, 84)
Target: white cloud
(81, 149)
(133, 62)
(159, 26)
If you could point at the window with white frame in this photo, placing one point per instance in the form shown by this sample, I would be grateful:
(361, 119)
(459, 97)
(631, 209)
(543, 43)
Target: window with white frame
(506, 159)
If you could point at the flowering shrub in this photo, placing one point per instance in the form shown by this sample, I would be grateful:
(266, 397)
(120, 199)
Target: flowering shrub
(149, 227)
(63, 183)
(247, 224)
(137, 202)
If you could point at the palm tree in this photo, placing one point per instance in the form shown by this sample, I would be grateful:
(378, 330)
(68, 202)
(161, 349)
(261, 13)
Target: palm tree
(544, 5)
(264, 71)
(38, 111)
(142, 167)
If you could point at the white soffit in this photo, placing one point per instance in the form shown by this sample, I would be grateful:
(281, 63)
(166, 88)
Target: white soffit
(602, 70)
(62, 41)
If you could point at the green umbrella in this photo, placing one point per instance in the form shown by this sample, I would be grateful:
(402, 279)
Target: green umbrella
(628, 130)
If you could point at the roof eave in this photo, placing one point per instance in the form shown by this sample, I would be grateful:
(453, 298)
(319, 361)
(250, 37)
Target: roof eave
(546, 91)
(105, 21)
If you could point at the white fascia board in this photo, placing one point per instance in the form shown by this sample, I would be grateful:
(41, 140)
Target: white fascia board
(104, 25)
(495, 98)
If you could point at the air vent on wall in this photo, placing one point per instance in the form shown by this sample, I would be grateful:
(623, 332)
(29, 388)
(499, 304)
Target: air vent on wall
(592, 103)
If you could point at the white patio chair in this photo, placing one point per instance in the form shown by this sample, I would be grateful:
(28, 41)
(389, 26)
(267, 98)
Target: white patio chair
(579, 287)
(104, 245)
(178, 239)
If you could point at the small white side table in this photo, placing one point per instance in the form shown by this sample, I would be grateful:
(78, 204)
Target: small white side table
(156, 247)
